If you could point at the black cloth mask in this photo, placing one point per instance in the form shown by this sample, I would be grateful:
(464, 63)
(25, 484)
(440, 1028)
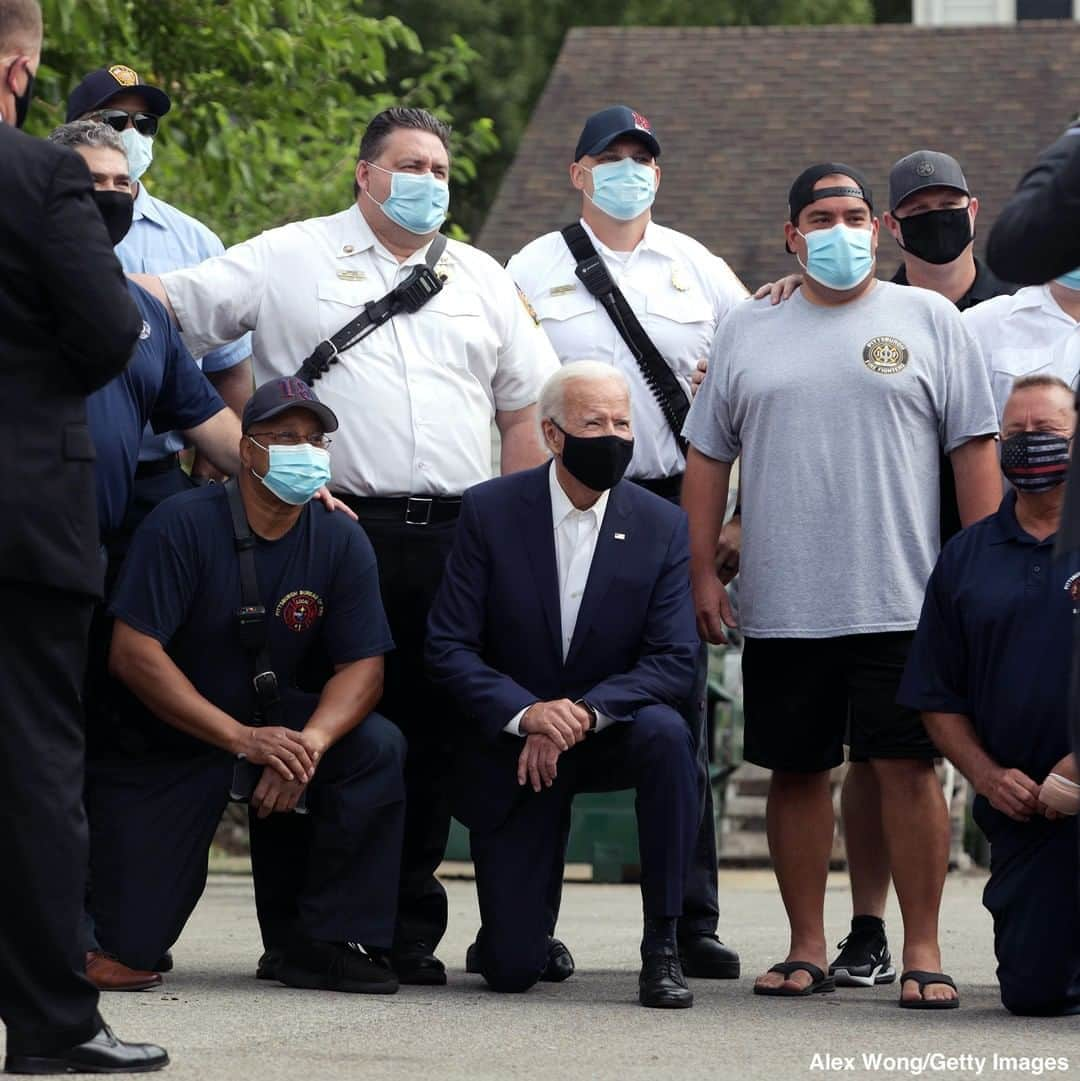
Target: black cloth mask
(938, 236)
(117, 208)
(22, 101)
(598, 462)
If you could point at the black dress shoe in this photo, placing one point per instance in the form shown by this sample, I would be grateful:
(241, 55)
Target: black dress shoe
(102, 1053)
(559, 966)
(417, 964)
(560, 963)
(661, 984)
(269, 963)
(705, 957)
(335, 966)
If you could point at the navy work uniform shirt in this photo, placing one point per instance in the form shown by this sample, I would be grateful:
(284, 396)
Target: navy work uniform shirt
(994, 643)
(161, 386)
(180, 584)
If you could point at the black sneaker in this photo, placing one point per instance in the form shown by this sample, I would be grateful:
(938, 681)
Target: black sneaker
(335, 966)
(864, 955)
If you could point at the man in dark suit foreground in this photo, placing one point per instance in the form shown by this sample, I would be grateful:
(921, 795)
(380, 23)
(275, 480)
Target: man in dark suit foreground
(67, 326)
(565, 630)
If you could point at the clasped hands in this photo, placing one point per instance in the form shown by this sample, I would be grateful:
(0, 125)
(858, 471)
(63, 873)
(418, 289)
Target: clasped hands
(550, 728)
(289, 759)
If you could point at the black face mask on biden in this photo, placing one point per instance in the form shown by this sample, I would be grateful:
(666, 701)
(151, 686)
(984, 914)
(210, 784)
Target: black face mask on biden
(598, 462)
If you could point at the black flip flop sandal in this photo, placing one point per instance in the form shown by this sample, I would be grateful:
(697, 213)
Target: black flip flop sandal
(923, 979)
(821, 983)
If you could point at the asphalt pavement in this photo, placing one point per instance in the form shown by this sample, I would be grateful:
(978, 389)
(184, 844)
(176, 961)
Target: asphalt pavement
(218, 1022)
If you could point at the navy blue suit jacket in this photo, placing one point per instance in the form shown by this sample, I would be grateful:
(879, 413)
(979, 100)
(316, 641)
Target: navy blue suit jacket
(494, 633)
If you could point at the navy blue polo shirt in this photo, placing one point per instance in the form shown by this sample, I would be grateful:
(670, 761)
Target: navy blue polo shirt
(180, 584)
(994, 643)
(162, 386)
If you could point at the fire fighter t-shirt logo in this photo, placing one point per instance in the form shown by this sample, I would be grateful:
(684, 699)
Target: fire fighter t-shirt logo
(299, 610)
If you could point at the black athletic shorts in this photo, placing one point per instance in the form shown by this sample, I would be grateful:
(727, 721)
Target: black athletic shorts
(804, 698)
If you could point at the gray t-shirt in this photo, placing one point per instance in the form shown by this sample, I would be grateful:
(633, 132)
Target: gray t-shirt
(838, 414)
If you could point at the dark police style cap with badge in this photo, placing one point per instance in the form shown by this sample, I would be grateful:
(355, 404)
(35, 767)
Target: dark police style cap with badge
(802, 192)
(935, 236)
(97, 88)
(281, 395)
(604, 127)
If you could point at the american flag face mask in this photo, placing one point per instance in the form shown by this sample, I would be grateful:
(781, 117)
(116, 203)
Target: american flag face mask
(1035, 461)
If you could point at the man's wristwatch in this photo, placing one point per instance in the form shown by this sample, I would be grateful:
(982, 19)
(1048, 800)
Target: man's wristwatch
(593, 715)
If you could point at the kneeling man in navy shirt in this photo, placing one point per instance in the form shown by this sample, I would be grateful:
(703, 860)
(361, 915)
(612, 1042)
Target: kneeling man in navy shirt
(989, 669)
(565, 630)
(297, 705)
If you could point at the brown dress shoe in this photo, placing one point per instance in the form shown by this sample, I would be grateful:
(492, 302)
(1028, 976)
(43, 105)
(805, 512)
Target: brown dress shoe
(106, 973)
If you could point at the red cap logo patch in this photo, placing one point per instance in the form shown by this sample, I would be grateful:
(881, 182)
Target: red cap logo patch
(641, 123)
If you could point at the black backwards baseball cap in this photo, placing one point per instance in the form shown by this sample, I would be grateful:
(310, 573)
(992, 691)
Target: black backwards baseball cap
(104, 83)
(802, 192)
(924, 169)
(279, 396)
(604, 127)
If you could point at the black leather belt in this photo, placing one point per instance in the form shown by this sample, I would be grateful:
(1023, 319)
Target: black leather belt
(410, 509)
(665, 487)
(157, 467)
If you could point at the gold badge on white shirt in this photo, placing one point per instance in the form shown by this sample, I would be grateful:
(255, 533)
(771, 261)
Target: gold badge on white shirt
(678, 279)
(352, 275)
(445, 268)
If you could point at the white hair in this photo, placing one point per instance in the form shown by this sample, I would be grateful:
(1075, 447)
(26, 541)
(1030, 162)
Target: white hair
(88, 133)
(551, 405)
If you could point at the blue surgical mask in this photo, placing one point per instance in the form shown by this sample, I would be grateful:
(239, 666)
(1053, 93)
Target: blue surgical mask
(417, 201)
(1071, 280)
(139, 150)
(296, 473)
(623, 189)
(840, 257)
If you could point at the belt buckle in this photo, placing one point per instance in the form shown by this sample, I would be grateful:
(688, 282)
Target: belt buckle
(266, 687)
(425, 504)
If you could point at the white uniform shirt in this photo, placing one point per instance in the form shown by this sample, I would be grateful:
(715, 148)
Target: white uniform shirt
(676, 287)
(576, 534)
(415, 398)
(1027, 333)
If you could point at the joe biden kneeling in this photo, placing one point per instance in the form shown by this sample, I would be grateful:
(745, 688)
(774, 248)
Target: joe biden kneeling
(565, 630)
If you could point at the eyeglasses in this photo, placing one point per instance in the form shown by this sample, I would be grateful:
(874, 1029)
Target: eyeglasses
(292, 439)
(118, 120)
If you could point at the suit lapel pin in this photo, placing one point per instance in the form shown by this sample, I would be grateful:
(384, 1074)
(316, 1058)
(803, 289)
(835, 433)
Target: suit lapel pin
(620, 536)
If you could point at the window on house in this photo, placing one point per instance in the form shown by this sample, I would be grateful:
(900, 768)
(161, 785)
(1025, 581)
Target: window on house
(1044, 9)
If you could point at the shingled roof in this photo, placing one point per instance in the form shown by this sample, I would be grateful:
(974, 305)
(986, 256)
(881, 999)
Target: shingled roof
(740, 110)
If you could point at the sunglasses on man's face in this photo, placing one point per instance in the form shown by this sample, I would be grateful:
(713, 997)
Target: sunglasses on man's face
(144, 123)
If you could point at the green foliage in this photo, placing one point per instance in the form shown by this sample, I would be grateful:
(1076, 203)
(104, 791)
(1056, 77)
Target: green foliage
(269, 96)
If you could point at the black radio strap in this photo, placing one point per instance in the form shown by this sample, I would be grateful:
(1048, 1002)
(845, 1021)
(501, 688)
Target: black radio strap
(658, 376)
(408, 296)
(251, 625)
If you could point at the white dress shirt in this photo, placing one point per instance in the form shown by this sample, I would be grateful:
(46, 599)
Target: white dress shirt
(415, 398)
(576, 534)
(1027, 333)
(676, 287)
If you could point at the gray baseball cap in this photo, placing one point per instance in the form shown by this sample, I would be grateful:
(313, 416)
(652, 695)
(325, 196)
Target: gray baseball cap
(924, 169)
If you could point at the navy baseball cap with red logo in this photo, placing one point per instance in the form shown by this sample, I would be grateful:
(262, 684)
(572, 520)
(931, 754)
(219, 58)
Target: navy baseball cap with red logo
(279, 396)
(604, 127)
(99, 86)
